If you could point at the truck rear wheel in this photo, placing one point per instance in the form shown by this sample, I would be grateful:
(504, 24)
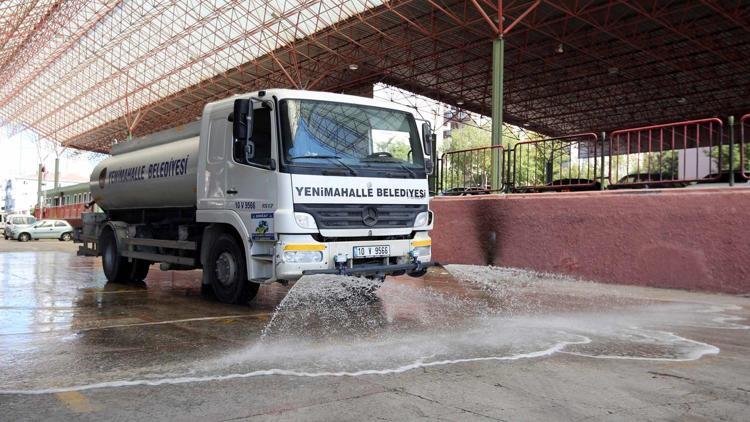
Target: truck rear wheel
(226, 269)
(116, 268)
(139, 270)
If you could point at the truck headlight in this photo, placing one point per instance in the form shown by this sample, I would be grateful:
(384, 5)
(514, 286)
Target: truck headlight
(304, 253)
(305, 220)
(422, 251)
(423, 219)
(303, 257)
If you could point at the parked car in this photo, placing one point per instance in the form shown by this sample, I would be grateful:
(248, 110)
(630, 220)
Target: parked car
(723, 177)
(648, 180)
(2, 223)
(472, 190)
(46, 229)
(572, 185)
(16, 222)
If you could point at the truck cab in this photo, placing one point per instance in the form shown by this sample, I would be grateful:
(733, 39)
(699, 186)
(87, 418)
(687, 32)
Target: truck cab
(318, 183)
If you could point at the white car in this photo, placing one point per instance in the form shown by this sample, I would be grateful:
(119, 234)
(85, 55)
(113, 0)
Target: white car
(45, 229)
(15, 222)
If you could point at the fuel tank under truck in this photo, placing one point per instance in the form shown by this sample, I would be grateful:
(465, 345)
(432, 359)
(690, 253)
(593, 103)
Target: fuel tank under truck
(158, 171)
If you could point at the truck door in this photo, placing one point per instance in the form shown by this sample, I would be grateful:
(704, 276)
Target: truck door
(251, 184)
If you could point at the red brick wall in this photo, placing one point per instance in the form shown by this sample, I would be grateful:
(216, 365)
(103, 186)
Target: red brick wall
(696, 239)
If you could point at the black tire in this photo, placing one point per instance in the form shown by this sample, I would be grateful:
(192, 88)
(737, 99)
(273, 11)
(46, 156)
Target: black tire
(138, 270)
(66, 237)
(417, 274)
(24, 237)
(226, 270)
(116, 268)
(207, 291)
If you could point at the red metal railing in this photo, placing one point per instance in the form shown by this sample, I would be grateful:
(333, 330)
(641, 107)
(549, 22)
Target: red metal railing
(673, 154)
(469, 171)
(744, 168)
(566, 163)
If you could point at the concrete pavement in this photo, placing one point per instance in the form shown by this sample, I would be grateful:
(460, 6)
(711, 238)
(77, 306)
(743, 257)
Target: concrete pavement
(474, 343)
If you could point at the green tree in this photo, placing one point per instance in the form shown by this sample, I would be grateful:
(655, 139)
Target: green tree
(467, 164)
(720, 157)
(465, 161)
(542, 161)
(397, 147)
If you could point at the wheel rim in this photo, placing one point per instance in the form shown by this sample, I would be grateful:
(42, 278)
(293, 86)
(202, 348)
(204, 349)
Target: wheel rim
(66, 236)
(226, 268)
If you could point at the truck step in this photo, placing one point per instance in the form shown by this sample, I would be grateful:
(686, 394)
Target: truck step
(263, 256)
(258, 280)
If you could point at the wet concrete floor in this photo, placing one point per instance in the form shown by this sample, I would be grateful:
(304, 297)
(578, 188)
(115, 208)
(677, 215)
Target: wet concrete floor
(463, 343)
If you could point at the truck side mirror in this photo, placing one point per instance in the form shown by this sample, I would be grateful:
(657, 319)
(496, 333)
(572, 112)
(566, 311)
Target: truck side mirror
(427, 138)
(429, 166)
(242, 119)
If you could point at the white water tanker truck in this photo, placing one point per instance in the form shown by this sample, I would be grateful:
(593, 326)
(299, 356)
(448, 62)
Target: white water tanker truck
(265, 187)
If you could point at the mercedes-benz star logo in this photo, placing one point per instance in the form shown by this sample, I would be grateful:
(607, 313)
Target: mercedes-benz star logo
(370, 216)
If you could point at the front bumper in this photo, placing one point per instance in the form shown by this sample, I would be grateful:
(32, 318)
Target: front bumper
(401, 257)
(415, 267)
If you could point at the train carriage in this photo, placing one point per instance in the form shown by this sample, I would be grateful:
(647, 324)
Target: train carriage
(66, 203)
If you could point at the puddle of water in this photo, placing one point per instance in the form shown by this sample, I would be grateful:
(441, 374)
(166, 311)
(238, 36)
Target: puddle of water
(326, 326)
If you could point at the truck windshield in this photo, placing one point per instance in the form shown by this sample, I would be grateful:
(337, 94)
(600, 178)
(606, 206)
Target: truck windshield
(360, 140)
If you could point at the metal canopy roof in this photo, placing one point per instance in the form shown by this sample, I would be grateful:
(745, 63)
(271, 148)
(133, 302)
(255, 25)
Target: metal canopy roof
(87, 72)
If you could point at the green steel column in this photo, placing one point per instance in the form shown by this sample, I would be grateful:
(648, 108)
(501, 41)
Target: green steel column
(498, 62)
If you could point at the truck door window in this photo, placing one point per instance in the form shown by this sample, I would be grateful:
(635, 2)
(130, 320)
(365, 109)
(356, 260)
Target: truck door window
(217, 140)
(261, 136)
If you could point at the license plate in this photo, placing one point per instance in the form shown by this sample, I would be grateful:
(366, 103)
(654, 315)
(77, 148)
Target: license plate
(371, 251)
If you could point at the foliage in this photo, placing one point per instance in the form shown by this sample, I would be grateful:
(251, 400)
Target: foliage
(720, 157)
(397, 147)
(641, 167)
(535, 163)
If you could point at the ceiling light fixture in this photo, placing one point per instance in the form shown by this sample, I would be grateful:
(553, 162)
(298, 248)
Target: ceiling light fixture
(560, 49)
(353, 66)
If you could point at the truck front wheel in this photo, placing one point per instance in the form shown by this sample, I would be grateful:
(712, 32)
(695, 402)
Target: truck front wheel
(226, 269)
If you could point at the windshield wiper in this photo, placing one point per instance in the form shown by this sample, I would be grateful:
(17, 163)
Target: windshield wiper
(413, 175)
(390, 160)
(334, 158)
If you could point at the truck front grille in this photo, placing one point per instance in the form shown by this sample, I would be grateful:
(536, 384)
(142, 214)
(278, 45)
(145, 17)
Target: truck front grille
(350, 216)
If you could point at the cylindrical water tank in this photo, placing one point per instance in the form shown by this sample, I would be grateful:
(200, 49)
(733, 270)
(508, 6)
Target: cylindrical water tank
(158, 176)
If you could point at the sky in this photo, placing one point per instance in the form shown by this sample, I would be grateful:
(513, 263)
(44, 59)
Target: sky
(19, 157)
